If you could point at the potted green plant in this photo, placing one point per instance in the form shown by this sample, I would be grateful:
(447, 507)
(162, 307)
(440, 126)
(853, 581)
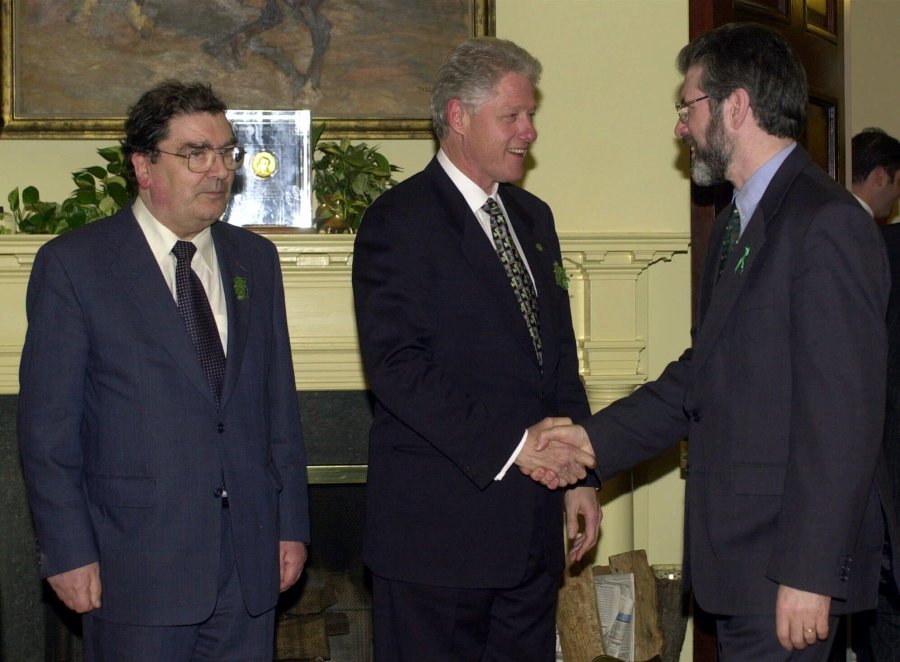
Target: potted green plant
(99, 192)
(347, 177)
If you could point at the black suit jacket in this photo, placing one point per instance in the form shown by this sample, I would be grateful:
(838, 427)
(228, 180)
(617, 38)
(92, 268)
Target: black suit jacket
(888, 473)
(122, 443)
(456, 382)
(781, 399)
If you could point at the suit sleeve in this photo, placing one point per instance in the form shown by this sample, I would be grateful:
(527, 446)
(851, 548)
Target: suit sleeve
(286, 433)
(51, 396)
(394, 290)
(838, 356)
(642, 424)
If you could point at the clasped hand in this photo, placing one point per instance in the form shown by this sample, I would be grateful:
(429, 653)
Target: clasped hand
(556, 453)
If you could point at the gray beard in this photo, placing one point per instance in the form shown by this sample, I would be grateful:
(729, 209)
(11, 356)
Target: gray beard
(709, 165)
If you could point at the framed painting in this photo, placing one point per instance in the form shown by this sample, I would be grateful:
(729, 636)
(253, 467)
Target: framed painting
(71, 68)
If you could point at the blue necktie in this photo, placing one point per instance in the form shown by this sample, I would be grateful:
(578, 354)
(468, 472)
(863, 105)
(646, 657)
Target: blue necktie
(517, 273)
(198, 317)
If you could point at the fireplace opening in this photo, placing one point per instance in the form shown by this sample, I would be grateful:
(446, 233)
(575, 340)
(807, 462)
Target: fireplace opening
(327, 615)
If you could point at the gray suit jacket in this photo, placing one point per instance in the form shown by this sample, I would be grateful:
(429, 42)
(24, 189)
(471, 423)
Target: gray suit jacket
(122, 443)
(781, 399)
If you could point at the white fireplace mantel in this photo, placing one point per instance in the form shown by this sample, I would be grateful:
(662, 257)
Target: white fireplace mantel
(608, 289)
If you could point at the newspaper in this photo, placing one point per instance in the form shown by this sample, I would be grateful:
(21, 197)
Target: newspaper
(615, 602)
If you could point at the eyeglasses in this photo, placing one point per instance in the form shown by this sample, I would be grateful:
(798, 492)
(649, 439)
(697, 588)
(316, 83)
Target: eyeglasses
(201, 159)
(683, 107)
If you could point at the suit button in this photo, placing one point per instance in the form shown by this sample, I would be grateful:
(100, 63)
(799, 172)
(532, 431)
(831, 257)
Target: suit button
(221, 428)
(695, 417)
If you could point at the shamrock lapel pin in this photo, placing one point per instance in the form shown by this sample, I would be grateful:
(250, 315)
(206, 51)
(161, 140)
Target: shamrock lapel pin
(240, 288)
(559, 273)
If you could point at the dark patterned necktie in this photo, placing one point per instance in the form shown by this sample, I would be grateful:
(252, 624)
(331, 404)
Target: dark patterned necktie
(198, 317)
(517, 273)
(730, 240)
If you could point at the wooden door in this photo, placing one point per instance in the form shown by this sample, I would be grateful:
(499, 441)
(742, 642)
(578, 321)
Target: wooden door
(815, 29)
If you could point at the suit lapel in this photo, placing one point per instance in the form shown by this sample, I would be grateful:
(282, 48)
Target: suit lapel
(723, 294)
(719, 298)
(480, 254)
(235, 274)
(523, 224)
(133, 263)
(482, 258)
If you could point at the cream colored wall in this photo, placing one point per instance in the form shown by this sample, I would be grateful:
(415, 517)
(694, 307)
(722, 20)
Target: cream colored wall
(871, 53)
(873, 95)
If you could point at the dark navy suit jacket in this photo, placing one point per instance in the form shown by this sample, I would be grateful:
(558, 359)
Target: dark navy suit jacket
(122, 443)
(456, 382)
(888, 473)
(781, 398)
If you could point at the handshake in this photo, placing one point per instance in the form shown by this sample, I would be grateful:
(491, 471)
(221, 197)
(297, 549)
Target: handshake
(556, 453)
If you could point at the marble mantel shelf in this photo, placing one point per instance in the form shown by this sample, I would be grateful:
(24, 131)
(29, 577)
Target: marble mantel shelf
(607, 287)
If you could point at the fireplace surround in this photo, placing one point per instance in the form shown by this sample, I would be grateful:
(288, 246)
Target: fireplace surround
(610, 289)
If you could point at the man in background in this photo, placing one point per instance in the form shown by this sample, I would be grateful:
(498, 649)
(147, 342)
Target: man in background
(876, 172)
(466, 335)
(876, 184)
(781, 394)
(158, 420)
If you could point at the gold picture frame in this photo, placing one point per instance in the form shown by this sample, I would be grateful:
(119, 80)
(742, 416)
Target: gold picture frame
(71, 68)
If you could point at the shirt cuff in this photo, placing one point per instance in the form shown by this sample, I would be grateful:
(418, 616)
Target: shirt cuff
(512, 458)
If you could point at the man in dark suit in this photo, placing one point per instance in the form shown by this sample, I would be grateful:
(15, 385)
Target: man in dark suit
(467, 340)
(876, 184)
(781, 393)
(158, 419)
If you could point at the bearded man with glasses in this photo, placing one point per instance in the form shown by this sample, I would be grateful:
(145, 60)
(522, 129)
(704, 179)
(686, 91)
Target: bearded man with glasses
(158, 420)
(781, 394)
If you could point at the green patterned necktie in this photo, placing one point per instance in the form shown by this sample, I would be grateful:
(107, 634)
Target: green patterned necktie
(518, 275)
(730, 240)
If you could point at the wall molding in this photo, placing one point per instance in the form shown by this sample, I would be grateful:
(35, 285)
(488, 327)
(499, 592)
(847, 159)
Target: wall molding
(608, 288)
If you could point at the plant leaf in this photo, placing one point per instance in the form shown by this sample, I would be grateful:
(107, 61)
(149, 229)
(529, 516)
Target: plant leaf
(30, 195)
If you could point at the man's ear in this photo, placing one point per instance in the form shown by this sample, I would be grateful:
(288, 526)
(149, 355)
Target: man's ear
(457, 116)
(737, 108)
(141, 163)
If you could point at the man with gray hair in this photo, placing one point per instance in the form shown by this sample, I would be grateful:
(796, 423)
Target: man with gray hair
(467, 340)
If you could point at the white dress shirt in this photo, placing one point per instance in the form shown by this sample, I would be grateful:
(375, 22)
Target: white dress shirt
(204, 263)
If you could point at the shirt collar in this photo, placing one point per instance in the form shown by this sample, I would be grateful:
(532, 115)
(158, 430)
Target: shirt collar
(865, 205)
(162, 239)
(747, 199)
(472, 192)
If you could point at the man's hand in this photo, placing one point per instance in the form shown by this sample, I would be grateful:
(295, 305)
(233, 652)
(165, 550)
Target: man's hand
(559, 436)
(564, 462)
(582, 501)
(79, 589)
(801, 618)
(292, 558)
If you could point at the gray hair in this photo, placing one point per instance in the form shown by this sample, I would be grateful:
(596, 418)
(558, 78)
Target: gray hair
(471, 74)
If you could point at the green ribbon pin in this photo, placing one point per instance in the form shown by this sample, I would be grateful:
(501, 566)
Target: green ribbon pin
(739, 267)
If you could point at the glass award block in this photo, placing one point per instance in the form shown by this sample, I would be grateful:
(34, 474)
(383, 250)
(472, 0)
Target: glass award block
(272, 189)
